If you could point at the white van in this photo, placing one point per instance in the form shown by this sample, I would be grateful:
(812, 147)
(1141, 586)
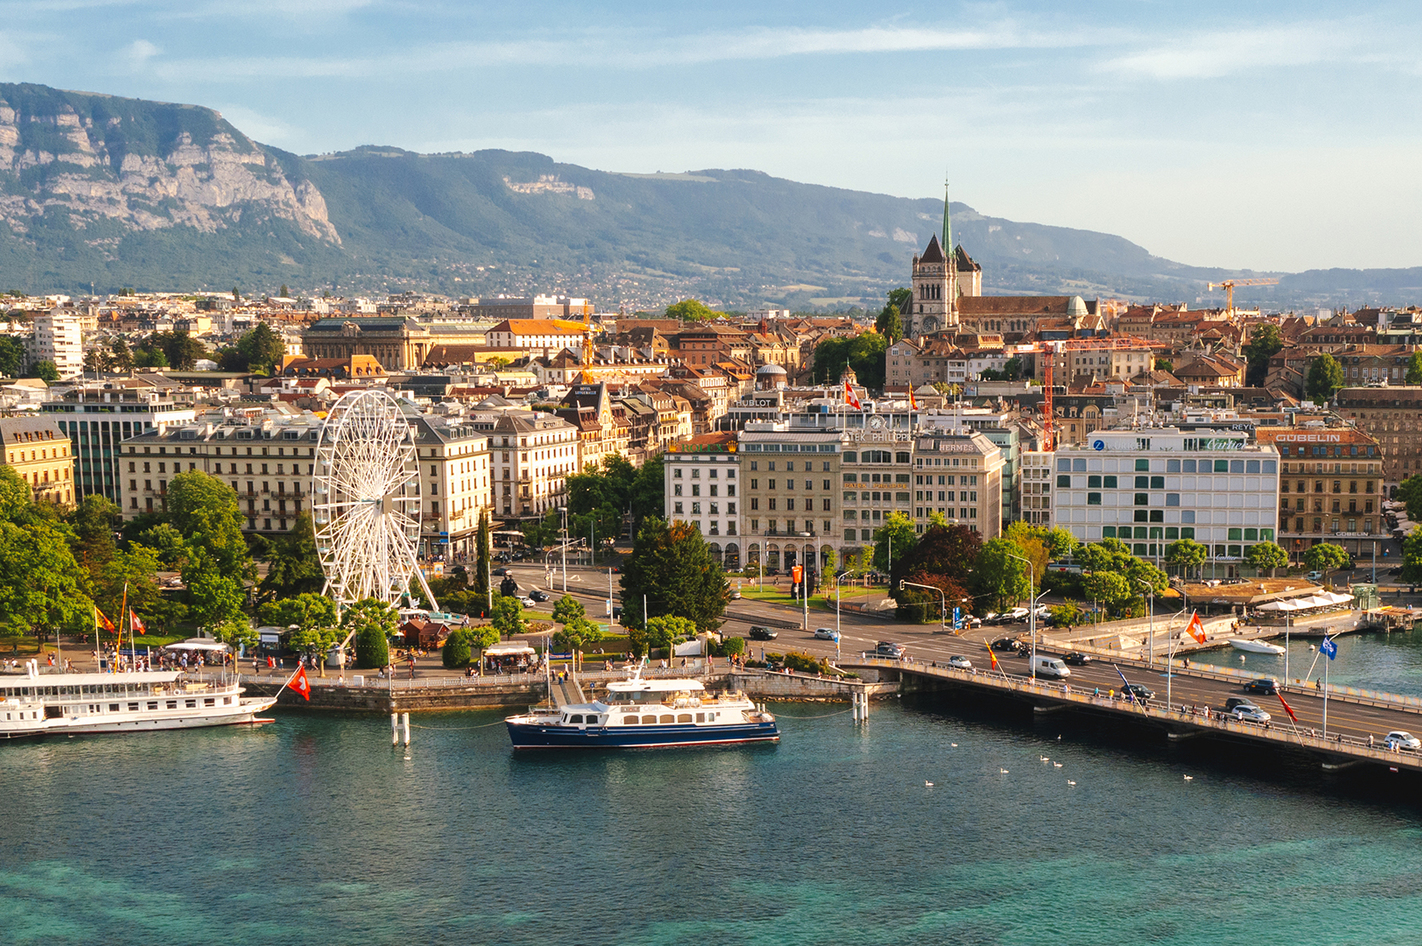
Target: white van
(1051, 667)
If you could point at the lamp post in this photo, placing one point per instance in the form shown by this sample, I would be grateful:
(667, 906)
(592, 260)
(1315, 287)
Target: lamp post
(943, 602)
(1150, 656)
(836, 614)
(1031, 607)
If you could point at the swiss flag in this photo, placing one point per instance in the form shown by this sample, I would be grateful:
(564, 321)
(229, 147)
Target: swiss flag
(851, 398)
(135, 624)
(1195, 628)
(300, 684)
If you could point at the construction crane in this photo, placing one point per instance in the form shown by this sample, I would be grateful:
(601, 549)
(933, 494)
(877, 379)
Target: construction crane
(1229, 284)
(1051, 349)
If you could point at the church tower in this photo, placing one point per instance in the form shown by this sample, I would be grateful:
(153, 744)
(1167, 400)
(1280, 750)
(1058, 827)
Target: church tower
(935, 284)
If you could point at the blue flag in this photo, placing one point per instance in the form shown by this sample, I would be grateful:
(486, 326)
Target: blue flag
(957, 619)
(1329, 647)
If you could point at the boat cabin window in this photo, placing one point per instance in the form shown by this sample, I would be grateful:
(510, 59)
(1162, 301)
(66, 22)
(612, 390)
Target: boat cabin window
(667, 718)
(576, 718)
(629, 720)
(648, 719)
(172, 704)
(209, 702)
(113, 707)
(683, 718)
(133, 707)
(701, 717)
(153, 705)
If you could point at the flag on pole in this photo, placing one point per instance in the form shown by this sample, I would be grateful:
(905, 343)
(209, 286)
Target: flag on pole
(102, 620)
(1126, 683)
(913, 401)
(991, 656)
(135, 625)
(1196, 629)
(1329, 647)
(300, 684)
(1287, 708)
(851, 398)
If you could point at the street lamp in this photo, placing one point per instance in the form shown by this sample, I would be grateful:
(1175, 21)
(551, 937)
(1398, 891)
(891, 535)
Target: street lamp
(943, 599)
(1150, 656)
(1031, 607)
(836, 614)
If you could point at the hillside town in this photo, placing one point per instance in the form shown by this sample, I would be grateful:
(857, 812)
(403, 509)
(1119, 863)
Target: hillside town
(978, 409)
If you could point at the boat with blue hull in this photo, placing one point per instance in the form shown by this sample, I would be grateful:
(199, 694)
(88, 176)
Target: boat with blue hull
(639, 713)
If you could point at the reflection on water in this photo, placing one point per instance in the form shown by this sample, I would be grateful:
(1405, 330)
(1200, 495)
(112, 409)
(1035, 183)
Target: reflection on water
(1375, 661)
(314, 829)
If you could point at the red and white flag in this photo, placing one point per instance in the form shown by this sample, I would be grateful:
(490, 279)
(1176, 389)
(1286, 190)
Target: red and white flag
(851, 398)
(135, 625)
(1195, 628)
(300, 684)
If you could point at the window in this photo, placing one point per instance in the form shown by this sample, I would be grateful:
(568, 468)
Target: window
(1141, 499)
(1157, 482)
(1063, 482)
(1093, 482)
(1142, 466)
(1109, 482)
(1093, 499)
(1143, 482)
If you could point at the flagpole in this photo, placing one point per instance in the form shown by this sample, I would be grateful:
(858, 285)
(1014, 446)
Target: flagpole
(118, 646)
(1325, 687)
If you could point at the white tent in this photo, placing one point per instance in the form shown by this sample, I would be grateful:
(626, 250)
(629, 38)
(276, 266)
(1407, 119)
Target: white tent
(518, 649)
(691, 648)
(197, 643)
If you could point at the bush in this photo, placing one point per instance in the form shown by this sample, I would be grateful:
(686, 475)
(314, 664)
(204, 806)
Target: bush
(804, 663)
(731, 647)
(371, 647)
(458, 649)
(1066, 584)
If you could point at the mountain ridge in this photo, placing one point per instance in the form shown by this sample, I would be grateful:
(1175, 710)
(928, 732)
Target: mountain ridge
(111, 191)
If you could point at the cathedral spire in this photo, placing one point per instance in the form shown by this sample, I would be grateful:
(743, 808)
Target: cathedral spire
(947, 221)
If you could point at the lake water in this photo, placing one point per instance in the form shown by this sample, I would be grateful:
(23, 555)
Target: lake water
(314, 830)
(1375, 661)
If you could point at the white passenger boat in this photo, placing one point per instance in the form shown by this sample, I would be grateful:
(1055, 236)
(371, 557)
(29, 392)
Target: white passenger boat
(35, 704)
(638, 713)
(1255, 647)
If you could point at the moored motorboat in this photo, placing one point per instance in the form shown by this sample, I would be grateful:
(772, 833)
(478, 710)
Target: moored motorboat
(1255, 647)
(645, 713)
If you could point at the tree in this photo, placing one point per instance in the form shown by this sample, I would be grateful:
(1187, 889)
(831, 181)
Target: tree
(260, 349)
(1263, 344)
(14, 494)
(1186, 554)
(1266, 555)
(120, 358)
(12, 356)
(458, 649)
(293, 564)
(1410, 493)
(568, 608)
(691, 310)
(647, 497)
(47, 371)
(214, 595)
(1325, 377)
(1325, 557)
(149, 354)
(130, 575)
(576, 636)
(313, 618)
(482, 556)
(889, 324)
(1001, 574)
(507, 615)
(1412, 557)
(864, 353)
(1109, 589)
(180, 350)
(41, 585)
(896, 536)
(661, 633)
(204, 510)
(373, 623)
(284, 291)
(1414, 369)
(1164, 364)
(672, 566)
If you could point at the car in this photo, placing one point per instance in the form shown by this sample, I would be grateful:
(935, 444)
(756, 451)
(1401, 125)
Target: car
(959, 662)
(527, 602)
(970, 621)
(1314, 576)
(759, 633)
(1007, 643)
(1017, 614)
(1250, 714)
(1235, 701)
(889, 649)
(537, 595)
(735, 596)
(501, 572)
(1266, 685)
(1398, 740)
(1136, 691)
(1077, 659)
(826, 634)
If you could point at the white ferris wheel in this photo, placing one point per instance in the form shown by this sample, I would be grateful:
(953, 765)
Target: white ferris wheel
(366, 500)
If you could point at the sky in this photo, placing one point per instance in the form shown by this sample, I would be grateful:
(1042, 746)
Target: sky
(1277, 136)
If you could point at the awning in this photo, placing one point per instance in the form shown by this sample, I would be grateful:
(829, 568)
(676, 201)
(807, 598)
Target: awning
(508, 650)
(197, 643)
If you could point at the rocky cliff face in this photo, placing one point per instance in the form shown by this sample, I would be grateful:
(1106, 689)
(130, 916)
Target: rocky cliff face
(142, 165)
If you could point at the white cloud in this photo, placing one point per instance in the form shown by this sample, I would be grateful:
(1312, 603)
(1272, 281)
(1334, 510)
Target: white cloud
(137, 54)
(1217, 54)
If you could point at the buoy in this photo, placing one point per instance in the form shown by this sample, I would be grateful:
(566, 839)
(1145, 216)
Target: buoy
(394, 729)
(406, 721)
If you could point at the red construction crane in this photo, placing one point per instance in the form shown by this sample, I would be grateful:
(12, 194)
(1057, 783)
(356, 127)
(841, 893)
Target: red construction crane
(1053, 348)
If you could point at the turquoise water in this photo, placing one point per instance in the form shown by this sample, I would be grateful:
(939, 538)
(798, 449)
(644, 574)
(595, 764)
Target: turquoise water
(315, 830)
(1387, 662)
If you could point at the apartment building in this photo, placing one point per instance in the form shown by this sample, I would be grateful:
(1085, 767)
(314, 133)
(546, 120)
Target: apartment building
(39, 451)
(702, 477)
(98, 419)
(1150, 487)
(790, 478)
(59, 337)
(957, 473)
(1330, 488)
(1392, 416)
(1037, 488)
(532, 455)
(876, 475)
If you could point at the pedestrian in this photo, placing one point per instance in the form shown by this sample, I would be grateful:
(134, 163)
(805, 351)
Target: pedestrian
(1370, 740)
